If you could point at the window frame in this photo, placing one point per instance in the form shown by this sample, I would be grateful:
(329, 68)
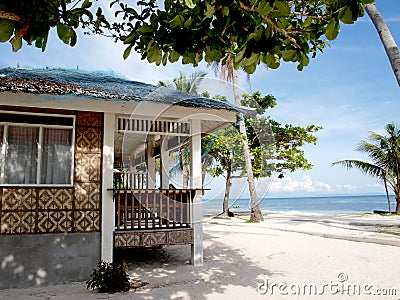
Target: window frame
(4, 144)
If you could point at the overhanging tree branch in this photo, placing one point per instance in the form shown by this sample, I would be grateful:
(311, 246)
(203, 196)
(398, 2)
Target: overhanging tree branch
(10, 16)
(271, 23)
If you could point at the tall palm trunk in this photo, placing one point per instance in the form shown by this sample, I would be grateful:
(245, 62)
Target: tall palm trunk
(255, 214)
(387, 194)
(228, 184)
(387, 39)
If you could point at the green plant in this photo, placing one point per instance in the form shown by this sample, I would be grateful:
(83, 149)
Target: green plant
(109, 278)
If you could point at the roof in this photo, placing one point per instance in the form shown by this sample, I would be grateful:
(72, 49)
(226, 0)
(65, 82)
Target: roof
(99, 86)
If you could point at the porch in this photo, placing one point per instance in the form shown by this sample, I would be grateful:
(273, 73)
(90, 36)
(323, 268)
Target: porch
(153, 217)
(149, 209)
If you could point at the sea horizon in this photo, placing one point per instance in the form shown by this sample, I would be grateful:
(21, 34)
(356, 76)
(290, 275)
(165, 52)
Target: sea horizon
(361, 203)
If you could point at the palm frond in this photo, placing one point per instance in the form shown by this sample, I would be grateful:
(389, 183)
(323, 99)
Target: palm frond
(363, 166)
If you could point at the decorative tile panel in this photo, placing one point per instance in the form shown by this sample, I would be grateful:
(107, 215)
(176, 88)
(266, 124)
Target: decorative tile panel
(19, 199)
(55, 198)
(54, 221)
(91, 119)
(87, 196)
(88, 139)
(17, 222)
(87, 167)
(86, 221)
(60, 209)
(153, 238)
(178, 237)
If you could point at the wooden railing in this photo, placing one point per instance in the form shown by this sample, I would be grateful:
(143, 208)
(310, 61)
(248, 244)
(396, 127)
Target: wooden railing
(128, 180)
(151, 209)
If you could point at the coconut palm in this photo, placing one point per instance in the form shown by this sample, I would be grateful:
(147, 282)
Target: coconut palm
(229, 73)
(191, 85)
(384, 152)
(183, 83)
(386, 37)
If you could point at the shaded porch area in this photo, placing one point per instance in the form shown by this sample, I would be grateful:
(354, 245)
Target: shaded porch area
(151, 210)
(152, 217)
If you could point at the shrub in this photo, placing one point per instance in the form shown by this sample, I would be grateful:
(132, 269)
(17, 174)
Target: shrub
(109, 278)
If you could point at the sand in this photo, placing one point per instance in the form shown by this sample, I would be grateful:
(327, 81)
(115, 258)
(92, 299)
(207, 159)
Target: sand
(289, 256)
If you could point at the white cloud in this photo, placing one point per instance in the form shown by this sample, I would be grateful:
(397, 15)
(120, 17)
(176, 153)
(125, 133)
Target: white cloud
(304, 184)
(346, 187)
(375, 185)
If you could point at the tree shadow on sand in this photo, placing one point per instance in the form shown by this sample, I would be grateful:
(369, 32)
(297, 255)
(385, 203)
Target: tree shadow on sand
(171, 276)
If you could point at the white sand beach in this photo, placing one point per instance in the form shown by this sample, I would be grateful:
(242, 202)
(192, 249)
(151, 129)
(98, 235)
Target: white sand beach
(291, 255)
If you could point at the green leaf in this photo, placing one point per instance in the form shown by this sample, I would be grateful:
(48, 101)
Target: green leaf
(264, 8)
(332, 30)
(86, 4)
(64, 33)
(178, 21)
(128, 39)
(127, 52)
(165, 59)
(225, 11)
(16, 43)
(145, 29)
(188, 23)
(254, 59)
(210, 11)
(212, 55)
(367, 1)
(283, 7)
(307, 22)
(73, 38)
(250, 69)
(173, 56)
(346, 15)
(190, 4)
(289, 55)
(271, 60)
(6, 30)
(154, 54)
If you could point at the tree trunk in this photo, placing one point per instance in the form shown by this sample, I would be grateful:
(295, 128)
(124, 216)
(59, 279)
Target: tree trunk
(397, 206)
(387, 194)
(185, 175)
(387, 39)
(228, 184)
(255, 214)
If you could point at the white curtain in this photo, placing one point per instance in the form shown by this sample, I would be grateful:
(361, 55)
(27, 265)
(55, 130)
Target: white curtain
(56, 156)
(22, 155)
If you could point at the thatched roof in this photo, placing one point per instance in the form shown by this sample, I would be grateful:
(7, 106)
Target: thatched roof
(99, 86)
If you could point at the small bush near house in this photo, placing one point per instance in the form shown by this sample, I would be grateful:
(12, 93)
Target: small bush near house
(109, 278)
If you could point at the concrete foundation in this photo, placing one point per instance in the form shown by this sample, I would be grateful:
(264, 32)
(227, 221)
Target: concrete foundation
(35, 260)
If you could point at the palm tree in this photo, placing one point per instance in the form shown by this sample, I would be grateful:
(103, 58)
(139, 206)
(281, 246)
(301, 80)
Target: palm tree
(386, 37)
(229, 73)
(183, 83)
(384, 152)
(191, 85)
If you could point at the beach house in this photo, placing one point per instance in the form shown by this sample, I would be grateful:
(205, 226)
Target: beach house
(84, 170)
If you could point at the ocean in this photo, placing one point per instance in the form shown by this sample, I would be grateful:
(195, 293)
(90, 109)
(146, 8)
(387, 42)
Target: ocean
(331, 204)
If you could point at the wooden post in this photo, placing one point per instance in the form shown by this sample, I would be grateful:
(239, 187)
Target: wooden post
(108, 206)
(196, 183)
(151, 164)
(164, 162)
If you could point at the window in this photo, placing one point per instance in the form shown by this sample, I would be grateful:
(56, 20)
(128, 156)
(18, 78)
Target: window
(36, 149)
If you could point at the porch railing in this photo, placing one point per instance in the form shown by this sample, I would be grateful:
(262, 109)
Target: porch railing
(151, 209)
(129, 180)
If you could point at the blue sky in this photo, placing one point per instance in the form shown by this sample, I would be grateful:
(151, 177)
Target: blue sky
(349, 90)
